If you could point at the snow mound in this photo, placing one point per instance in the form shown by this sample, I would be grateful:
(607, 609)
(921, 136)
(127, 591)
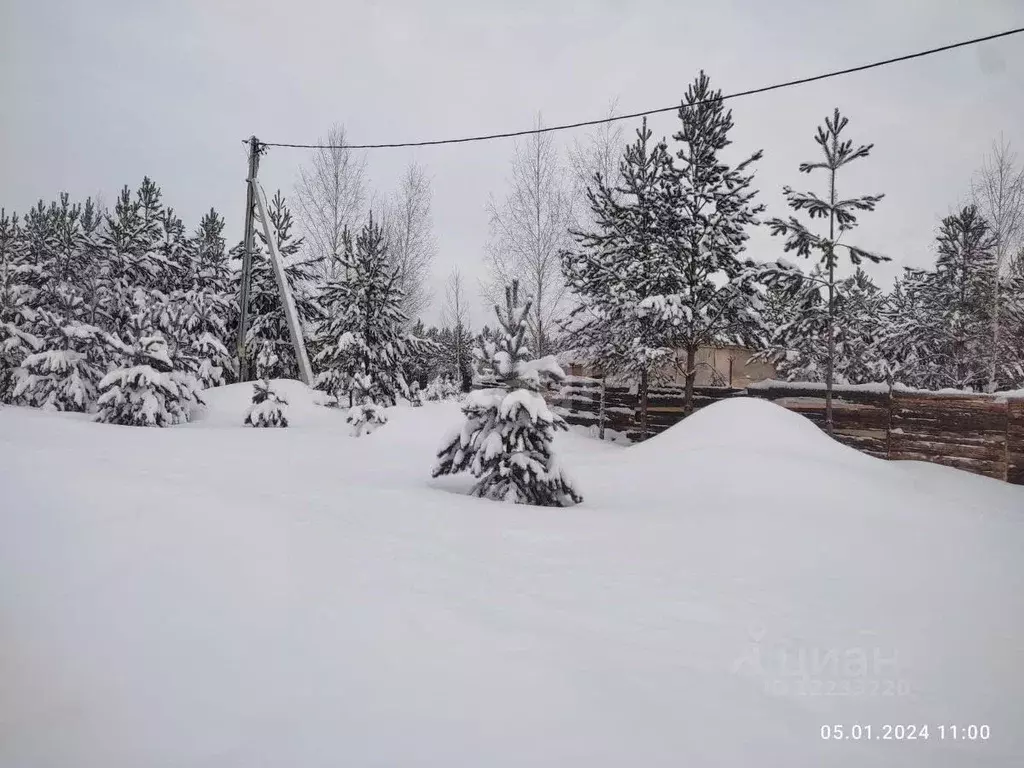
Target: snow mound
(227, 406)
(745, 425)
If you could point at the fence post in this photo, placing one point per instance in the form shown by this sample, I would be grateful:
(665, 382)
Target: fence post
(888, 423)
(1006, 447)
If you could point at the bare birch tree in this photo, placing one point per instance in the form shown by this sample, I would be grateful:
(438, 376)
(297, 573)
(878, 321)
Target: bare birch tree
(528, 231)
(998, 191)
(455, 316)
(331, 196)
(599, 152)
(411, 243)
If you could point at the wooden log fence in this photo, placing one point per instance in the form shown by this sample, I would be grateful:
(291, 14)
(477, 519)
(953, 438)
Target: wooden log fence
(979, 433)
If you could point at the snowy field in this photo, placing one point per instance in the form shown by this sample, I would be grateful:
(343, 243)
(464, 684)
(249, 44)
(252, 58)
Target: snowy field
(209, 595)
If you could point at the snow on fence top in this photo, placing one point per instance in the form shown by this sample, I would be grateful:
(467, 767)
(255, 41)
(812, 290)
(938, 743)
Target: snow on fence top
(878, 387)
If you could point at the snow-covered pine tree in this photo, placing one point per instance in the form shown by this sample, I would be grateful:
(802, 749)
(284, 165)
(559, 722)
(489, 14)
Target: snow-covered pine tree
(842, 216)
(174, 255)
(268, 343)
(268, 407)
(609, 271)
(161, 303)
(129, 259)
(799, 328)
(16, 293)
(366, 416)
(908, 333)
(1010, 353)
(39, 239)
(209, 305)
(961, 299)
(441, 388)
(796, 318)
(363, 333)
(147, 392)
(699, 291)
(857, 329)
(506, 442)
(71, 355)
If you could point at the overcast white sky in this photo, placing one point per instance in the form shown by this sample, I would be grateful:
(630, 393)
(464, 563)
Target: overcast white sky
(94, 95)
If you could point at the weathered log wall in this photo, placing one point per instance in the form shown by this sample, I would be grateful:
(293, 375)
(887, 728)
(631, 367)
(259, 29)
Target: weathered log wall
(983, 434)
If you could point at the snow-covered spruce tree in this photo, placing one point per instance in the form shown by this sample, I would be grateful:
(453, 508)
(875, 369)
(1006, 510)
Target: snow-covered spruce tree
(148, 392)
(425, 359)
(268, 343)
(363, 333)
(610, 270)
(698, 291)
(268, 407)
(506, 442)
(842, 216)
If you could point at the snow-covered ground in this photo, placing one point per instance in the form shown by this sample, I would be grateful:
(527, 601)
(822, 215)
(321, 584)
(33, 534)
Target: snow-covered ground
(213, 595)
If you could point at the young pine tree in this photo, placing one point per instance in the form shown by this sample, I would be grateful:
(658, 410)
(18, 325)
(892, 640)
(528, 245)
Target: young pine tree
(16, 294)
(129, 262)
(609, 271)
(800, 324)
(842, 216)
(857, 329)
(209, 305)
(1010, 350)
(70, 355)
(268, 407)
(65, 373)
(367, 416)
(904, 351)
(147, 392)
(363, 333)
(506, 442)
(961, 298)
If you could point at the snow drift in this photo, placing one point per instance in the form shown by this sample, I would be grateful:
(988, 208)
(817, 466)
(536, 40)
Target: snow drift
(215, 595)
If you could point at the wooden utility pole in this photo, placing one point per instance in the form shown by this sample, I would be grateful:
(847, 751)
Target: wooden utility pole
(250, 233)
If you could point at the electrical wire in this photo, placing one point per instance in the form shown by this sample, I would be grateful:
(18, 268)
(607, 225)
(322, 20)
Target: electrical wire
(673, 108)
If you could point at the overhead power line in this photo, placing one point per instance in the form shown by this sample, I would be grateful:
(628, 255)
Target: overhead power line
(673, 108)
